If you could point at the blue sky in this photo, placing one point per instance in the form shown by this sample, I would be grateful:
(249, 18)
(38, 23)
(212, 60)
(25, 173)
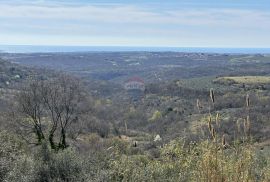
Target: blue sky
(162, 23)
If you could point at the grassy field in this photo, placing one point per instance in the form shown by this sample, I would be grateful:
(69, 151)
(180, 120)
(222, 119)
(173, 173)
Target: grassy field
(203, 83)
(251, 59)
(245, 79)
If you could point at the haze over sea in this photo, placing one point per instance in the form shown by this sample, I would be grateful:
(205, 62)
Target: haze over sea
(47, 49)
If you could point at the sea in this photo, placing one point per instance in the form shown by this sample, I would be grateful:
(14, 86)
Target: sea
(67, 49)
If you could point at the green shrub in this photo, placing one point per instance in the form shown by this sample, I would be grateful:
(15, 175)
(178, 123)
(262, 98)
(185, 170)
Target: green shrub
(11, 149)
(64, 165)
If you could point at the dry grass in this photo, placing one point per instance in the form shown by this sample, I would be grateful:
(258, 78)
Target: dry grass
(245, 79)
(251, 59)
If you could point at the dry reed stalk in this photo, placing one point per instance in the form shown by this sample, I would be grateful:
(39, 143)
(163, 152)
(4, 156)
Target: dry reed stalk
(212, 95)
(213, 133)
(199, 105)
(210, 123)
(247, 101)
(238, 123)
(247, 126)
(223, 141)
(247, 120)
(218, 119)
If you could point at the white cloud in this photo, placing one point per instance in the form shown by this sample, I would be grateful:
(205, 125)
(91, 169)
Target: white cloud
(119, 23)
(133, 14)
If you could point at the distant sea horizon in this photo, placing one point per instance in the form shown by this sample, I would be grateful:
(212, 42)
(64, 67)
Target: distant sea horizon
(74, 49)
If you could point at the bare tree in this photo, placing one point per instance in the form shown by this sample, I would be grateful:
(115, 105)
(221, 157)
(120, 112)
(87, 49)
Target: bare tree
(31, 107)
(52, 106)
(62, 97)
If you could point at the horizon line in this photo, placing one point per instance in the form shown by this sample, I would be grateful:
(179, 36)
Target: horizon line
(136, 46)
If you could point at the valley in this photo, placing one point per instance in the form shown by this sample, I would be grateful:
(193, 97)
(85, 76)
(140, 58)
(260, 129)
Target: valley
(175, 104)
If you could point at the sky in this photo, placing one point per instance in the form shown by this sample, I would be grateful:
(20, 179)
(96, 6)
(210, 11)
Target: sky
(149, 23)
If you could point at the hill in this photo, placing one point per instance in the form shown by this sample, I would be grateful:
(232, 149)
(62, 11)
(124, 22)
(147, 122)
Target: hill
(194, 107)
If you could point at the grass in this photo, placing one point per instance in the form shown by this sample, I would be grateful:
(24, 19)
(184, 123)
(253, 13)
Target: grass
(245, 79)
(202, 83)
(251, 59)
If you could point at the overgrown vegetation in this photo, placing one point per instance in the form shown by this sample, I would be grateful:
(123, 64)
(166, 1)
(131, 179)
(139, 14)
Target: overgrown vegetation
(60, 128)
(177, 161)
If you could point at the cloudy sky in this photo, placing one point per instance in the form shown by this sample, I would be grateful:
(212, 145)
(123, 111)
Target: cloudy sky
(173, 23)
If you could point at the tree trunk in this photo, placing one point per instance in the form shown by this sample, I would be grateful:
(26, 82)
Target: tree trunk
(52, 141)
(39, 134)
(63, 143)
